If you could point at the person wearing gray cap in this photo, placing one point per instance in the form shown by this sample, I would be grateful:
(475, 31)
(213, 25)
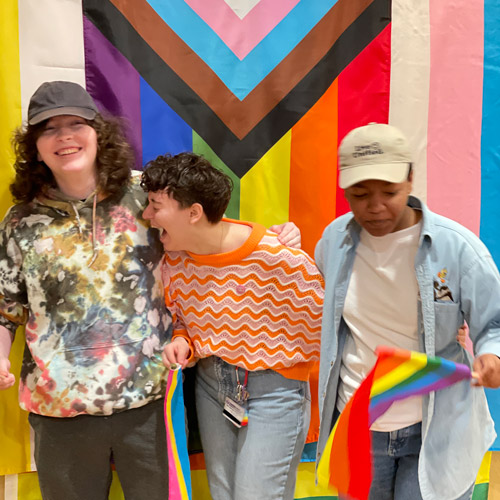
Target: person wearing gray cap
(81, 269)
(398, 274)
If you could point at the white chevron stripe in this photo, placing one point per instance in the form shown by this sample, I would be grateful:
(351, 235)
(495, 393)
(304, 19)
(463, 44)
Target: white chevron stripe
(242, 7)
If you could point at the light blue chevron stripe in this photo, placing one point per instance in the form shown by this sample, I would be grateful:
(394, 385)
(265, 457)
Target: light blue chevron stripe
(241, 77)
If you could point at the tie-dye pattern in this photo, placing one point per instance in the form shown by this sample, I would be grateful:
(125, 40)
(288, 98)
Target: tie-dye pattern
(93, 333)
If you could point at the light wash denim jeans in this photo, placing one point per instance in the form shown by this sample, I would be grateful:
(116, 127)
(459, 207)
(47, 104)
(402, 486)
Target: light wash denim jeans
(395, 465)
(258, 461)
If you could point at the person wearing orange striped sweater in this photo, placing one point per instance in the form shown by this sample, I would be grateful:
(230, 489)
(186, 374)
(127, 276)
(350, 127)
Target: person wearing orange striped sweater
(248, 309)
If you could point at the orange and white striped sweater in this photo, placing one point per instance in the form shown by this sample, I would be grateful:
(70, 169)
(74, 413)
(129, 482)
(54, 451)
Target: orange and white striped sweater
(256, 307)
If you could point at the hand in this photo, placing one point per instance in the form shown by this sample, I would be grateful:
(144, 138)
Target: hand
(486, 371)
(462, 336)
(177, 352)
(288, 234)
(7, 379)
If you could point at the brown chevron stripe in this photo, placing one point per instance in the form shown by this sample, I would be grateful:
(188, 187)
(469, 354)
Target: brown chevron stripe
(240, 116)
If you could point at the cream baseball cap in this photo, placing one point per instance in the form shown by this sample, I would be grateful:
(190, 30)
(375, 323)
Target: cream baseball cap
(374, 151)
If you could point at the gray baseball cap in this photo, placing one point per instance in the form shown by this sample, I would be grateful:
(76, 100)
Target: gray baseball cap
(374, 151)
(60, 98)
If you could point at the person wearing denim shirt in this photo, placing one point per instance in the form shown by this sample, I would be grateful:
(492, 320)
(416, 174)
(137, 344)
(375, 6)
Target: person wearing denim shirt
(436, 455)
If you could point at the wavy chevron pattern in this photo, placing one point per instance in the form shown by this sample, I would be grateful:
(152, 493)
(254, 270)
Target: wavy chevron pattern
(257, 307)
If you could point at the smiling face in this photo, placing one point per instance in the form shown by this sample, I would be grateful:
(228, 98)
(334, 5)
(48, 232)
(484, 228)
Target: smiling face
(380, 207)
(68, 146)
(166, 214)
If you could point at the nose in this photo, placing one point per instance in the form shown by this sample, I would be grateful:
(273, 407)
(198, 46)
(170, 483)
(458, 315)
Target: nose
(63, 132)
(147, 213)
(375, 203)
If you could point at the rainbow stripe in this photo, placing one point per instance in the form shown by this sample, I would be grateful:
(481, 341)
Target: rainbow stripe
(179, 482)
(397, 374)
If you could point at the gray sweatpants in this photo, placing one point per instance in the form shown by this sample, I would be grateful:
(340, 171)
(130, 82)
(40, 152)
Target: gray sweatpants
(72, 455)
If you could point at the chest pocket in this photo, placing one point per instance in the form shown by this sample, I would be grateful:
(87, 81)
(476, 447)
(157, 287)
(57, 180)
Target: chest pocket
(448, 318)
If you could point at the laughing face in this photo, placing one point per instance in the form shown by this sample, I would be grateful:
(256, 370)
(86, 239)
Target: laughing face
(167, 215)
(68, 146)
(380, 207)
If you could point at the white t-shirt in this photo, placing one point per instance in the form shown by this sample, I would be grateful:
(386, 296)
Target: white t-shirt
(381, 309)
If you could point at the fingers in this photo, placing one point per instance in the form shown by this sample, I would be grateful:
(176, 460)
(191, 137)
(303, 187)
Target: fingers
(486, 371)
(176, 353)
(294, 242)
(7, 380)
(288, 234)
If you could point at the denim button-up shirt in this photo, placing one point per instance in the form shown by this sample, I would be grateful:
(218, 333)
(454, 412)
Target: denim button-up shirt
(457, 281)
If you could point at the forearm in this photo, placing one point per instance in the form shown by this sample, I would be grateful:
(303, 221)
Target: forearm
(6, 339)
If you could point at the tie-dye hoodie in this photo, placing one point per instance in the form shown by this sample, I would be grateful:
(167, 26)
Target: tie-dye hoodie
(85, 279)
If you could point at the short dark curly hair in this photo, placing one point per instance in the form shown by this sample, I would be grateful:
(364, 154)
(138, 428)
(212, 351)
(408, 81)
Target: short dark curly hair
(114, 160)
(189, 178)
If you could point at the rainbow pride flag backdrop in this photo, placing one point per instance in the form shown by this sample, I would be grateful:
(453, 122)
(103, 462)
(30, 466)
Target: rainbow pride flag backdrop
(397, 374)
(266, 89)
(179, 485)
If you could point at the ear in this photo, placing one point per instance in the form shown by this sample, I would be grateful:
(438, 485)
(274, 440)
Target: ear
(410, 180)
(38, 157)
(195, 213)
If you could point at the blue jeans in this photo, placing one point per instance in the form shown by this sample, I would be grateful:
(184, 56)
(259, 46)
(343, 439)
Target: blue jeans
(395, 465)
(260, 460)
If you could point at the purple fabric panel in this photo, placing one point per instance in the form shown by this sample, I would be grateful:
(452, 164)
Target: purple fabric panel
(113, 83)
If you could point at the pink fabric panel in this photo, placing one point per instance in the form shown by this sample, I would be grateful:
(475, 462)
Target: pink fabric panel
(454, 130)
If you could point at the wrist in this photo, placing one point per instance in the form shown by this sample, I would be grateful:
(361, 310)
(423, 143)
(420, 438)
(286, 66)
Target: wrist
(180, 338)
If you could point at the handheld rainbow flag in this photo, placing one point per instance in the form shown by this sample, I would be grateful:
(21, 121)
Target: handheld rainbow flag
(397, 374)
(179, 481)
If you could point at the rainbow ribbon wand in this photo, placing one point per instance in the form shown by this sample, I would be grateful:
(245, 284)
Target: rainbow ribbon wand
(398, 374)
(179, 480)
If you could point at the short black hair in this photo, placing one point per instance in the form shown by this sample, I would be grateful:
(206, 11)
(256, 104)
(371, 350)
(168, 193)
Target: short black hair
(190, 178)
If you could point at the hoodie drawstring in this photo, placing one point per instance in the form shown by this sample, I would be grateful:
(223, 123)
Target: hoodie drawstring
(95, 249)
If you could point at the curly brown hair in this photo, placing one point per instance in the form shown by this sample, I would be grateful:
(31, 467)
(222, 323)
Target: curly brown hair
(114, 159)
(189, 178)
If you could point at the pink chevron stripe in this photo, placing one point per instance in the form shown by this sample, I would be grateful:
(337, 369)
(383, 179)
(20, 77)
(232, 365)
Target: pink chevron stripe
(242, 35)
(454, 131)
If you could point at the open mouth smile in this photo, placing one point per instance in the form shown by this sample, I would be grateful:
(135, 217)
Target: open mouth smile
(67, 151)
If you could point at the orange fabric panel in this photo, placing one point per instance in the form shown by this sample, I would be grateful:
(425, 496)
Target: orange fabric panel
(313, 169)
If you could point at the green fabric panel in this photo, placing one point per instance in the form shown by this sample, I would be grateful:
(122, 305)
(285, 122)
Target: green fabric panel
(200, 147)
(480, 491)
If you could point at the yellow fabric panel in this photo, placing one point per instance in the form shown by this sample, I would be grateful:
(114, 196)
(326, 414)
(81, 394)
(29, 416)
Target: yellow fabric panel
(10, 94)
(306, 487)
(265, 188)
(483, 475)
(14, 429)
(115, 492)
(27, 487)
(15, 453)
(199, 485)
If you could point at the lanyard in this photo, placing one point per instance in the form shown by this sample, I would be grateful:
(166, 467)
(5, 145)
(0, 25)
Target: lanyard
(242, 393)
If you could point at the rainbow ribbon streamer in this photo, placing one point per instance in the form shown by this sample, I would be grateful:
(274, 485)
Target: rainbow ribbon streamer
(397, 374)
(179, 481)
